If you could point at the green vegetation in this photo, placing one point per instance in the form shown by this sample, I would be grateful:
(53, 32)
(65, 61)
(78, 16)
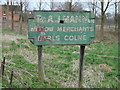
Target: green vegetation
(61, 64)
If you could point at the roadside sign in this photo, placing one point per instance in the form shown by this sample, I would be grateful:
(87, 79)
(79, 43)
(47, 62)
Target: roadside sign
(55, 27)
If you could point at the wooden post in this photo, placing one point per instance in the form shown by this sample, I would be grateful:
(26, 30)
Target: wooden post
(3, 66)
(82, 49)
(11, 77)
(40, 64)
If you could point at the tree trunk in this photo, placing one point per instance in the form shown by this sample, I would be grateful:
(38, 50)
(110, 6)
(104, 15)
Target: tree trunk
(40, 5)
(94, 10)
(70, 5)
(7, 26)
(118, 25)
(118, 21)
(102, 27)
(12, 19)
(25, 14)
(102, 20)
(115, 16)
(21, 5)
(51, 5)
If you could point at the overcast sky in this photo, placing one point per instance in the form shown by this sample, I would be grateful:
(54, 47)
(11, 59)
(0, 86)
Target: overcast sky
(33, 4)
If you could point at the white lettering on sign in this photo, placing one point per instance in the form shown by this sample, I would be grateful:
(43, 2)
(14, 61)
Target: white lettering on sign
(67, 19)
(48, 38)
(41, 19)
(54, 38)
(49, 28)
(66, 29)
(66, 38)
(77, 19)
(50, 19)
(58, 19)
(72, 29)
(72, 19)
(74, 37)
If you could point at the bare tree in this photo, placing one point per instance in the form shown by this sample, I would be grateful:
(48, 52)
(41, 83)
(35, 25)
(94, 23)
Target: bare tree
(119, 15)
(12, 15)
(116, 21)
(68, 6)
(21, 6)
(39, 4)
(77, 6)
(7, 14)
(116, 4)
(52, 4)
(103, 11)
(103, 8)
(108, 15)
(25, 4)
(92, 6)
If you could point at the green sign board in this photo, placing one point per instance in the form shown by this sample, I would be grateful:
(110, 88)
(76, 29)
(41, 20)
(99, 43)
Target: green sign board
(55, 27)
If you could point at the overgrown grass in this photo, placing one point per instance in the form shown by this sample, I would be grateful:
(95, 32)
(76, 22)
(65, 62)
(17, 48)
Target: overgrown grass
(61, 64)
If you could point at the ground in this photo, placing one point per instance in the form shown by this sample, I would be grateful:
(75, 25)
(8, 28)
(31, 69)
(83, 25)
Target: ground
(61, 63)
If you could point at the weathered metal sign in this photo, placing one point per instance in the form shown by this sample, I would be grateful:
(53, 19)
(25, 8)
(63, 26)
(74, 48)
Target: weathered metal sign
(54, 27)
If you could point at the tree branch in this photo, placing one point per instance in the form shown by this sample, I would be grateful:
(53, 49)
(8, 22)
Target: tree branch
(96, 5)
(107, 6)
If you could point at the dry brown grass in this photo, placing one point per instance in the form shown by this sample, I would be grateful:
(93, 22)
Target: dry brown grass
(109, 36)
(16, 26)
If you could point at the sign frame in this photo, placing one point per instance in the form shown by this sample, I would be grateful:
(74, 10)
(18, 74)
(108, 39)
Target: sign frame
(31, 35)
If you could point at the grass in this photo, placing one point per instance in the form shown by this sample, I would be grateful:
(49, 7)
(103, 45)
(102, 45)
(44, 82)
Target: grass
(61, 64)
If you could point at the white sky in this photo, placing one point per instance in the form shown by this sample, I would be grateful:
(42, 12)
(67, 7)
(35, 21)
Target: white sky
(33, 3)
(61, 0)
